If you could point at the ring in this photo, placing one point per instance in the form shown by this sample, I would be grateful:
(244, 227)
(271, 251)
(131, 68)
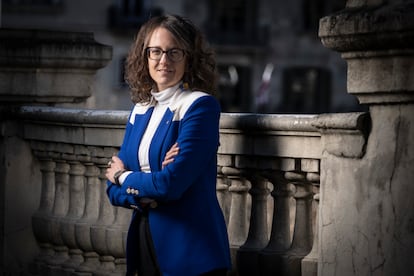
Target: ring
(109, 163)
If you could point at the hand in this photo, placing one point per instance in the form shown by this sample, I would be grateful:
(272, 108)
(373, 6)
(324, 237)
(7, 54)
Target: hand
(169, 157)
(114, 165)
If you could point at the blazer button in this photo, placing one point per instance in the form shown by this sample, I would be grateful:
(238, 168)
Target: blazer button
(128, 190)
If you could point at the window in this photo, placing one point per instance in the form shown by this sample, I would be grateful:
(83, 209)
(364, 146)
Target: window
(306, 89)
(130, 14)
(30, 6)
(232, 21)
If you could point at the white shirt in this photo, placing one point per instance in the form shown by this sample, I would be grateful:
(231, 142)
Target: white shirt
(162, 99)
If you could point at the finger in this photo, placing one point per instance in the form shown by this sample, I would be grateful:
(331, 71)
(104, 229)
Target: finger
(174, 150)
(170, 154)
(167, 161)
(117, 163)
(174, 147)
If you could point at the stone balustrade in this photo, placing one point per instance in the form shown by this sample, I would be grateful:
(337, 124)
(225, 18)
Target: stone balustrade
(327, 194)
(268, 172)
(267, 185)
(272, 166)
(77, 229)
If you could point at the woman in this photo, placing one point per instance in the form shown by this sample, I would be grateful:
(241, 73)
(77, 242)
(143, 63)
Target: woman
(166, 168)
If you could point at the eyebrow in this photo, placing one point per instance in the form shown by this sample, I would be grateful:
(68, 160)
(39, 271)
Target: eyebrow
(175, 47)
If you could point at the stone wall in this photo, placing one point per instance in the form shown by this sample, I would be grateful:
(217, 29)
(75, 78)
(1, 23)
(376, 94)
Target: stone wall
(367, 210)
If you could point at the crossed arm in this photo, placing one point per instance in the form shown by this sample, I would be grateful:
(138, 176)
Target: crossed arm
(116, 163)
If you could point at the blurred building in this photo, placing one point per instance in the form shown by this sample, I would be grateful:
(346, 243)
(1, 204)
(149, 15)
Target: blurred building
(269, 54)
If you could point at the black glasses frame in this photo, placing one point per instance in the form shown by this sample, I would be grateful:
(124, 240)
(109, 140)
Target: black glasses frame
(174, 54)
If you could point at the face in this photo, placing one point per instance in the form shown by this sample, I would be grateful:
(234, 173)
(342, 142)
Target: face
(165, 72)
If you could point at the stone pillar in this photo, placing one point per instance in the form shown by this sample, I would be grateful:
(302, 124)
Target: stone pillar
(248, 254)
(302, 233)
(310, 262)
(37, 68)
(50, 67)
(238, 222)
(280, 236)
(367, 210)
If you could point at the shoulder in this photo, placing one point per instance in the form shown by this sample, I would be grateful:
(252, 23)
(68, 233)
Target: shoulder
(184, 101)
(138, 109)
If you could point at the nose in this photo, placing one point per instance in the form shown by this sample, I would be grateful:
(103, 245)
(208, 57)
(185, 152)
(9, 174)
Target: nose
(164, 57)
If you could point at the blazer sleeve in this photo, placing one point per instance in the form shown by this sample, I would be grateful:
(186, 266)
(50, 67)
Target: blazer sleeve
(116, 196)
(198, 140)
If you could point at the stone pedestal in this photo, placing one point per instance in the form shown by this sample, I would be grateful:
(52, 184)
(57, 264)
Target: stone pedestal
(367, 210)
(36, 68)
(48, 66)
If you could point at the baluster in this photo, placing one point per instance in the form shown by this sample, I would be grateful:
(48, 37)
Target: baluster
(90, 216)
(60, 209)
(237, 226)
(280, 236)
(76, 209)
(98, 229)
(222, 189)
(247, 255)
(115, 238)
(310, 262)
(302, 234)
(116, 235)
(40, 219)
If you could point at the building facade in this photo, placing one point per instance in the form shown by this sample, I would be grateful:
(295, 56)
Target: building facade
(269, 55)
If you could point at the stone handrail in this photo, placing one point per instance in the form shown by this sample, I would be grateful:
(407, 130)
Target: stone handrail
(267, 185)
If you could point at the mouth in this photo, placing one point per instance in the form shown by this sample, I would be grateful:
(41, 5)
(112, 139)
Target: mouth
(164, 70)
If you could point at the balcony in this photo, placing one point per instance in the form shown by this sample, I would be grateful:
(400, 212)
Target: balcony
(268, 187)
(326, 194)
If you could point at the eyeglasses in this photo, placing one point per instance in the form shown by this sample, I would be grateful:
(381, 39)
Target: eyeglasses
(174, 54)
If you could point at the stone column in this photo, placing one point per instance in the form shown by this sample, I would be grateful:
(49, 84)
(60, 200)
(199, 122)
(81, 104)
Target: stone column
(222, 190)
(280, 236)
(90, 216)
(37, 67)
(310, 262)
(41, 218)
(367, 210)
(238, 223)
(52, 67)
(257, 238)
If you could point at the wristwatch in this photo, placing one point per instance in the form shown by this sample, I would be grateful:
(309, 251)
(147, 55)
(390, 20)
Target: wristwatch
(117, 175)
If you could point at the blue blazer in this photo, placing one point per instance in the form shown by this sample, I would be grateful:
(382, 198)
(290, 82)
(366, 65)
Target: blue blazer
(187, 226)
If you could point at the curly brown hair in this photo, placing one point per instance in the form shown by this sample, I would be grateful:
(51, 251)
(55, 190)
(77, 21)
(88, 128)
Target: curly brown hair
(200, 73)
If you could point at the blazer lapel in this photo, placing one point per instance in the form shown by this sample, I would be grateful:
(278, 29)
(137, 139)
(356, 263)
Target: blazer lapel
(141, 123)
(159, 146)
